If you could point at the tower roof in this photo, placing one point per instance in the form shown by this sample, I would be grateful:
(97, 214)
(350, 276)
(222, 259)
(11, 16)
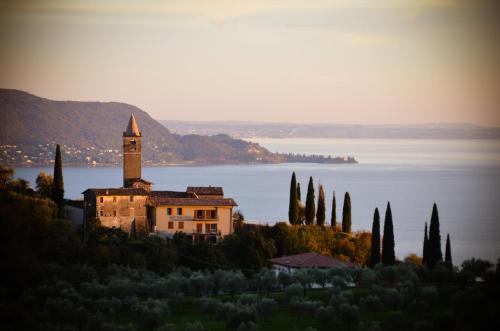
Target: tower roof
(132, 129)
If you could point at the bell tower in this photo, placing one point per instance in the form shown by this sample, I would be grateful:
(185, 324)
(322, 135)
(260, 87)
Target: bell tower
(132, 150)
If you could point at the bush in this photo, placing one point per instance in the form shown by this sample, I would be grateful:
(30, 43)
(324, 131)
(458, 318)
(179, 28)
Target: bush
(294, 291)
(248, 299)
(348, 315)
(151, 312)
(394, 322)
(429, 294)
(371, 303)
(195, 326)
(267, 307)
(248, 326)
(166, 327)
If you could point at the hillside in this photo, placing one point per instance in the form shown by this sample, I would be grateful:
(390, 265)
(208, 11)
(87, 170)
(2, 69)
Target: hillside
(90, 133)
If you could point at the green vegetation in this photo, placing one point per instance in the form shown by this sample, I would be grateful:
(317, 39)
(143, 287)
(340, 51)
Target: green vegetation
(310, 210)
(320, 213)
(434, 254)
(388, 254)
(425, 253)
(293, 208)
(333, 221)
(447, 256)
(375, 244)
(346, 214)
(58, 183)
(53, 279)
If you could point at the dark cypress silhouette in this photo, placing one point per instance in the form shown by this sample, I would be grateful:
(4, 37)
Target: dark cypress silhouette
(375, 249)
(333, 221)
(293, 207)
(310, 208)
(321, 212)
(346, 214)
(447, 254)
(388, 255)
(434, 251)
(58, 183)
(298, 192)
(425, 253)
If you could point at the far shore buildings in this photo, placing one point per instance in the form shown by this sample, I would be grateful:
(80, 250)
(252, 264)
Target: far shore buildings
(201, 212)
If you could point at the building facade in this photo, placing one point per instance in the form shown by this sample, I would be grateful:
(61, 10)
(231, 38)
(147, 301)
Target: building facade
(201, 212)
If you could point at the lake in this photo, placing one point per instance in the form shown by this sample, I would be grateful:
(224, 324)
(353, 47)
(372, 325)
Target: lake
(461, 176)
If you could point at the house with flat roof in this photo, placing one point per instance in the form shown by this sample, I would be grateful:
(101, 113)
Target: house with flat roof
(201, 212)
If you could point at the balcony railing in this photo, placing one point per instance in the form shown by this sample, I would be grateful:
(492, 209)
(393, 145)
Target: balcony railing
(181, 218)
(206, 219)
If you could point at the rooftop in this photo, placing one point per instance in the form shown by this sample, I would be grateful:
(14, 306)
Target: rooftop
(132, 129)
(205, 190)
(309, 260)
(117, 191)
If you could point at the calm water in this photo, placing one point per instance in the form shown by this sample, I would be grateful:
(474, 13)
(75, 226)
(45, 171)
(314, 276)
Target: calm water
(461, 176)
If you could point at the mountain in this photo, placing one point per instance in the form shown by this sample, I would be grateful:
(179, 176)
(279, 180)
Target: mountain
(294, 130)
(90, 134)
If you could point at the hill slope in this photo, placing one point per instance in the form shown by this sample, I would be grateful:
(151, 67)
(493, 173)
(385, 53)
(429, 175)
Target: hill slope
(91, 133)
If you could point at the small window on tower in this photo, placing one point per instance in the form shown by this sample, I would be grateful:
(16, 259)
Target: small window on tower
(131, 198)
(101, 199)
(114, 212)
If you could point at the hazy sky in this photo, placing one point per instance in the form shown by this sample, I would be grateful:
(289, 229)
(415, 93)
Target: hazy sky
(294, 61)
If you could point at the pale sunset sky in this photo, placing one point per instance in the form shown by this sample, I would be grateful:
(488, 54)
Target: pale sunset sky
(308, 61)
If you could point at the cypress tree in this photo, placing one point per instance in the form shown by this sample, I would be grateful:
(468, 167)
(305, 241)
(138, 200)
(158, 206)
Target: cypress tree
(298, 192)
(333, 221)
(388, 255)
(434, 252)
(346, 214)
(375, 249)
(320, 213)
(293, 208)
(447, 254)
(58, 183)
(425, 253)
(310, 208)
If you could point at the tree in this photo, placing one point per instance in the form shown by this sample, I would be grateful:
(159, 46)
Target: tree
(298, 192)
(6, 174)
(434, 254)
(375, 247)
(58, 184)
(333, 221)
(310, 208)
(44, 184)
(293, 208)
(320, 214)
(346, 214)
(425, 252)
(447, 254)
(388, 255)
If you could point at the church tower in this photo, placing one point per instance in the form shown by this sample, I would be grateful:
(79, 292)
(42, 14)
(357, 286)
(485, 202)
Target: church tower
(132, 150)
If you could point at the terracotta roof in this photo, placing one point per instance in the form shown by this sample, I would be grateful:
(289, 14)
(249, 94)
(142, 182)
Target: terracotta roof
(132, 129)
(168, 201)
(117, 191)
(139, 180)
(205, 190)
(309, 260)
(170, 194)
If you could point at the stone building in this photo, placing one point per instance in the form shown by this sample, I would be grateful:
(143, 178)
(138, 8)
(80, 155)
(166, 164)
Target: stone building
(201, 212)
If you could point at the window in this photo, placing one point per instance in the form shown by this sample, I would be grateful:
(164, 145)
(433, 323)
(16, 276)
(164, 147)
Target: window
(131, 198)
(179, 211)
(199, 214)
(212, 214)
(170, 225)
(169, 211)
(213, 228)
(181, 225)
(101, 199)
(101, 213)
(114, 212)
(207, 228)
(114, 199)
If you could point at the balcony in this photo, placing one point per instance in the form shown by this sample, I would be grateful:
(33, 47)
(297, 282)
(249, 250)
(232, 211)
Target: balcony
(206, 219)
(180, 218)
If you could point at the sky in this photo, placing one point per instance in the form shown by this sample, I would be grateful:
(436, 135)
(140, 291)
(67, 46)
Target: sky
(304, 61)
